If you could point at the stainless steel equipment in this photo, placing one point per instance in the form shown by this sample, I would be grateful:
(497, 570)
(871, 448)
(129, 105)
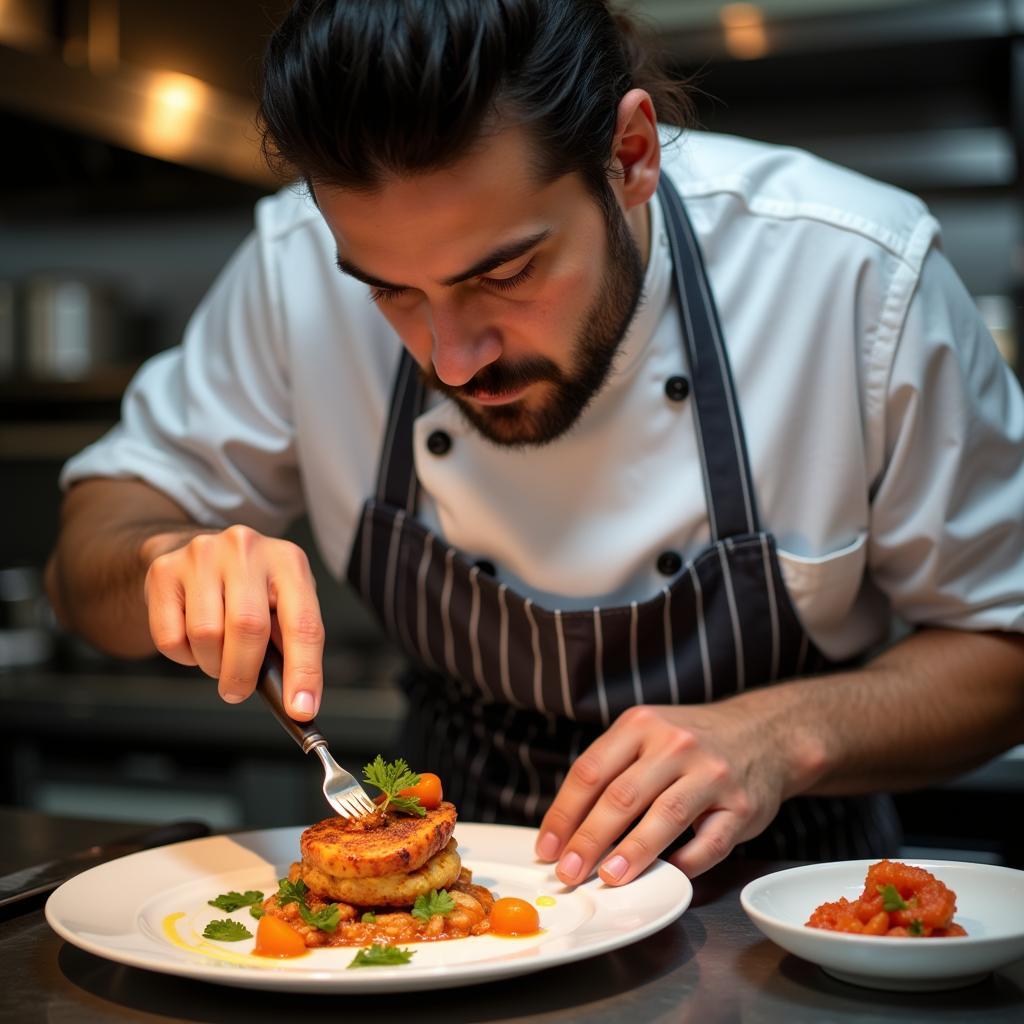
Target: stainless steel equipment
(26, 619)
(71, 327)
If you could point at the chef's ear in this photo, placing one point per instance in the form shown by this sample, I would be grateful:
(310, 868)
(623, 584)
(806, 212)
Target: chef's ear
(636, 149)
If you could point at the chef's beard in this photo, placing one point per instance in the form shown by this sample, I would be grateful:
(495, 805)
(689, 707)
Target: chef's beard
(565, 394)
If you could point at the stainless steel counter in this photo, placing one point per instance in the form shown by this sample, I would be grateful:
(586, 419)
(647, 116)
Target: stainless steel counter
(710, 966)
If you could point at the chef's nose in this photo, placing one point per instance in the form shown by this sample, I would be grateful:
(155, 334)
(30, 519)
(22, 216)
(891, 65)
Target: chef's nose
(460, 348)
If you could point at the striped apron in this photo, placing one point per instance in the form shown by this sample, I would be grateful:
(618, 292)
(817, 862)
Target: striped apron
(504, 694)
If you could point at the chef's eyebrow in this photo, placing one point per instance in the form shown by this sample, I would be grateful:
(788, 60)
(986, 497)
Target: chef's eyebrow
(494, 259)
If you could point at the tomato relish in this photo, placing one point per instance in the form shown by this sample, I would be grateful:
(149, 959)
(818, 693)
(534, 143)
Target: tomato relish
(898, 900)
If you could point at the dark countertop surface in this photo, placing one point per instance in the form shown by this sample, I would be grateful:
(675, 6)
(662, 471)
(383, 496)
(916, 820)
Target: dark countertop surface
(710, 965)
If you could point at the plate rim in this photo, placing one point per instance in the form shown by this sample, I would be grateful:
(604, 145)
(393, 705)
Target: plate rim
(315, 979)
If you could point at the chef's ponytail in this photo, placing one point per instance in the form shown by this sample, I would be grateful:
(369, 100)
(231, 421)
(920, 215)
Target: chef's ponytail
(356, 91)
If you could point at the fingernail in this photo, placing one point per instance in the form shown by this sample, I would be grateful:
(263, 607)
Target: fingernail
(569, 866)
(615, 867)
(233, 698)
(302, 702)
(547, 846)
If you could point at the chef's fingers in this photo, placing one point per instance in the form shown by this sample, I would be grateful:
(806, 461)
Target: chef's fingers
(246, 632)
(293, 595)
(687, 803)
(275, 632)
(203, 580)
(605, 759)
(714, 839)
(165, 606)
(650, 790)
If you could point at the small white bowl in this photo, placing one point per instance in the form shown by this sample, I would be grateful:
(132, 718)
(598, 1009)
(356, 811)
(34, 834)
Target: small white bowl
(990, 905)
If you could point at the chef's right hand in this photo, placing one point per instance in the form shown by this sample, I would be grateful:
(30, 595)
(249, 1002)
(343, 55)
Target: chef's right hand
(217, 600)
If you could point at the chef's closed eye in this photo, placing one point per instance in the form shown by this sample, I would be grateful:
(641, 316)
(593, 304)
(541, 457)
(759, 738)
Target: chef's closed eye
(382, 295)
(513, 281)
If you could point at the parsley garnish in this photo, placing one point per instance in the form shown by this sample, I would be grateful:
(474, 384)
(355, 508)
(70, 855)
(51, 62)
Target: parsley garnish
(226, 930)
(390, 779)
(295, 892)
(916, 928)
(257, 912)
(382, 956)
(369, 918)
(891, 899)
(291, 892)
(435, 902)
(326, 920)
(236, 900)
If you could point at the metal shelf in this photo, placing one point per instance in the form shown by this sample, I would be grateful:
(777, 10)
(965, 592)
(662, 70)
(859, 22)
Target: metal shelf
(696, 32)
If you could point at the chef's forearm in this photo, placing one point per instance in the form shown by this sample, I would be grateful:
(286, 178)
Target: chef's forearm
(111, 530)
(936, 704)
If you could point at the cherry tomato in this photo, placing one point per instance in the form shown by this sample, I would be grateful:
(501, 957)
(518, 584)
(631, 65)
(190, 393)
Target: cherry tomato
(512, 916)
(428, 789)
(277, 938)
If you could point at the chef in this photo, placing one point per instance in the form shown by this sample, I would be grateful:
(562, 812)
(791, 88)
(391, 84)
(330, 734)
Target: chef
(681, 466)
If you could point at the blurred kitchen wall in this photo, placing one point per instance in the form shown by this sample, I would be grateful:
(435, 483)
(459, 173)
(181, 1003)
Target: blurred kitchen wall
(129, 175)
(131, 169)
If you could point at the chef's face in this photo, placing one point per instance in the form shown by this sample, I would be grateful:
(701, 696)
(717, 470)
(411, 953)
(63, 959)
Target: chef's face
(511, 296)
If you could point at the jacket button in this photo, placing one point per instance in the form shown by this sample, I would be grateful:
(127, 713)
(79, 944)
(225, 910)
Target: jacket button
(677, 388)
(439, 443)
(669, 563)
(486, 566)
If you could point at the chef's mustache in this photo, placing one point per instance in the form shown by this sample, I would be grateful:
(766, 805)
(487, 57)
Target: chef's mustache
(496, 378)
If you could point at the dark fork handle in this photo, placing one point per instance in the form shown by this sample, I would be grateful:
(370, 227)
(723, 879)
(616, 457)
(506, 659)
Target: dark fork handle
(271, 688)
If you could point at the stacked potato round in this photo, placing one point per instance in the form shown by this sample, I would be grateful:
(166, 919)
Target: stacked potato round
(381, 860)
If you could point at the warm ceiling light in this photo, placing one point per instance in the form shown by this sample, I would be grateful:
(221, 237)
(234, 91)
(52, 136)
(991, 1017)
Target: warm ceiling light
(24, 24)
(173, 104)
(745, 34)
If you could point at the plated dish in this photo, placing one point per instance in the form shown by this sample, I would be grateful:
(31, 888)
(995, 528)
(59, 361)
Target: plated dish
(989, 907)
(150, 910)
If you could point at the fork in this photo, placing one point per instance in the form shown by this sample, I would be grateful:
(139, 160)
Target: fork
(341, 789)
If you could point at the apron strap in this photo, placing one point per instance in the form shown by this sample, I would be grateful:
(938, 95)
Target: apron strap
(397, 483)
(728, 484)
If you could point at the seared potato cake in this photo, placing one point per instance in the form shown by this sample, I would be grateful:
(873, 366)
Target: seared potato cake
(376, 845)
(397, 890)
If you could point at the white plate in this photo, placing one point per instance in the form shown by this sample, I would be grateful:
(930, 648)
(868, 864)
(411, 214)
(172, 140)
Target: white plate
(124, 910)
(990, 905)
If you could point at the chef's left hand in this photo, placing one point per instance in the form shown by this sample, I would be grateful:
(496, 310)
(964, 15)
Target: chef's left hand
(717, 767)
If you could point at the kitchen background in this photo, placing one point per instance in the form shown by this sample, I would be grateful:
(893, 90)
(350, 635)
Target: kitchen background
(128, 177)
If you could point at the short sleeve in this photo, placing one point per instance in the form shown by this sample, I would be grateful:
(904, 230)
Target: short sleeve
(947, 511)
(209, 423)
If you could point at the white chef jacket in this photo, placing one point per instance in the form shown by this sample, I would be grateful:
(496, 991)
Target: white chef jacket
(885, 433)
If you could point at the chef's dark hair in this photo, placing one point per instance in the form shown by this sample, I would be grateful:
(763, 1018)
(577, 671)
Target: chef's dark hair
(357, 91)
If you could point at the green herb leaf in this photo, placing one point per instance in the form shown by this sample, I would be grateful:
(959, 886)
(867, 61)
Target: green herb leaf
(369, 918)
(408, 805)
(236, 900)
(257, 912)
(916, 928)
(291, 892)
(382, 956)
(434, 902)
(891, 899)
(390, 779)
(326, 920)
(226, 930)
